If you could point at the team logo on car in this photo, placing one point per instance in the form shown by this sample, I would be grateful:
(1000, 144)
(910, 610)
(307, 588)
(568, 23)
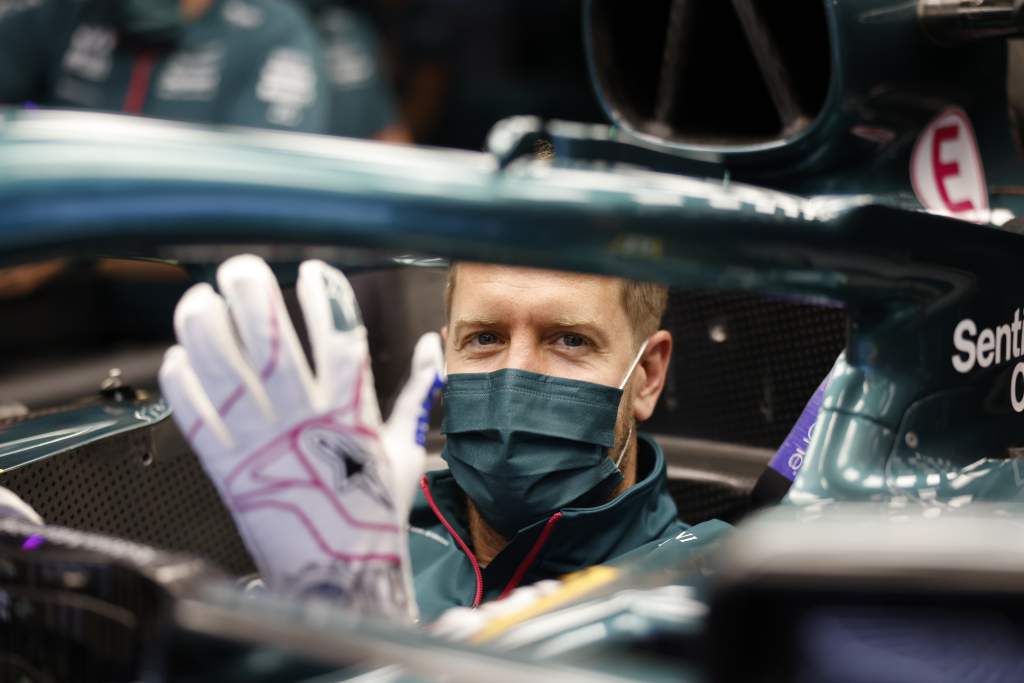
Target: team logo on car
(991, 346)
(946, 171)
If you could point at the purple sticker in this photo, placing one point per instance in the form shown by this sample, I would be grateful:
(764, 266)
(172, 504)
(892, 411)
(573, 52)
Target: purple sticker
(423, 423)
(790, 456)
(33, 542)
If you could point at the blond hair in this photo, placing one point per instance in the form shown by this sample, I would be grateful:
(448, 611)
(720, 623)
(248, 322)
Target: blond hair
(644, 303)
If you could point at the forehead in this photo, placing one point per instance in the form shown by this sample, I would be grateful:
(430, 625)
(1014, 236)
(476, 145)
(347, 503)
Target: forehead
(484, 289)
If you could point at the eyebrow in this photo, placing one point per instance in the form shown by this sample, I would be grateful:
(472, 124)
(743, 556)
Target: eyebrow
(486, 321)
(574, 322)
(480, 321)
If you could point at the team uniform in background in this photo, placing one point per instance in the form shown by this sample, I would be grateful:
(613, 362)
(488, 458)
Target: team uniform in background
(361, 101)
(244, 62)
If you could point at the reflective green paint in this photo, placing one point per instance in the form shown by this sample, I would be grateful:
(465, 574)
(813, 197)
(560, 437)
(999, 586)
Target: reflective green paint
(106, 184)
(829, 216)
(888, 80)
(24, 442)
(897, 421)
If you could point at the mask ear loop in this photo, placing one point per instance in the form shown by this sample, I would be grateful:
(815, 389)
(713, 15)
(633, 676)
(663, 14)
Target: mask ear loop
(632, 366)
(625, 380)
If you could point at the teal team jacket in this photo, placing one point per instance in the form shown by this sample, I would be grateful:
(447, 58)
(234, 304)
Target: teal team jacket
(640, 521)
(244, 62)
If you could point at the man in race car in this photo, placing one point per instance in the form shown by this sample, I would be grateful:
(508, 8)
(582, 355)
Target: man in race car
(547, 375)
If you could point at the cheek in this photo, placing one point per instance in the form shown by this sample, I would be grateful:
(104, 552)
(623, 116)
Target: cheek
(583, 371)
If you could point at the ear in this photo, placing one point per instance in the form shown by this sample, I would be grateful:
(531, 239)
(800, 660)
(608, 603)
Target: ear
(650, 373)
(444, 336)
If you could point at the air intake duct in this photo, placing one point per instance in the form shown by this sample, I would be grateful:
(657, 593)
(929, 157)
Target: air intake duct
(719, 74)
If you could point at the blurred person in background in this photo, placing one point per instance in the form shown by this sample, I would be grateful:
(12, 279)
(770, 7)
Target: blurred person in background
(244, 62)
(362, 103)
(459, 67)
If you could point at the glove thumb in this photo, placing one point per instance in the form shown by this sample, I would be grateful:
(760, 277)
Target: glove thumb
(406, 429)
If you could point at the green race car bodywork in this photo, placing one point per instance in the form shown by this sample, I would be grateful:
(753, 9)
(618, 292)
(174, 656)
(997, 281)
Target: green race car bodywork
(925, 405)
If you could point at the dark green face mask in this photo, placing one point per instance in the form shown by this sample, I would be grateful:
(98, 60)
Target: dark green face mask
(523, 446)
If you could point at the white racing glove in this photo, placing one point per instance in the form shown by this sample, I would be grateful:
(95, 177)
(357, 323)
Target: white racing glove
(13, 506)
(320, 489)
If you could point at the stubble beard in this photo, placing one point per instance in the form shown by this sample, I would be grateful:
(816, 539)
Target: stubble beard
(625, 430)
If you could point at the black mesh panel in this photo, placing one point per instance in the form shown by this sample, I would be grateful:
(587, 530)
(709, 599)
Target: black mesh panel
(744, 366)
(144, 486)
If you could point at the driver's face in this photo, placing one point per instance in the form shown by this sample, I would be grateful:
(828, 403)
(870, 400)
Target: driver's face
(549, 322)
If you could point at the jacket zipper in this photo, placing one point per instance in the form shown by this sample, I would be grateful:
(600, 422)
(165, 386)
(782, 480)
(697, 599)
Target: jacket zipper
(425, 486)
(531, 556)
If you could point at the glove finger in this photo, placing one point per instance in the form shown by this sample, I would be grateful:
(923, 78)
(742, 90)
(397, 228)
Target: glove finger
(191, 408)
(338, 340)
(203, 327)
(410, 416)
(406, 428)
(271, 344)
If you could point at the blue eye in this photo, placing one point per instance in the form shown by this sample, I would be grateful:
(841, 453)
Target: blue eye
(486, 338)
(573, 340)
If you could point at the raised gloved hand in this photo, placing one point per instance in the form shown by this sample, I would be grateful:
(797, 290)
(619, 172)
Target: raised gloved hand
(319, 487)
